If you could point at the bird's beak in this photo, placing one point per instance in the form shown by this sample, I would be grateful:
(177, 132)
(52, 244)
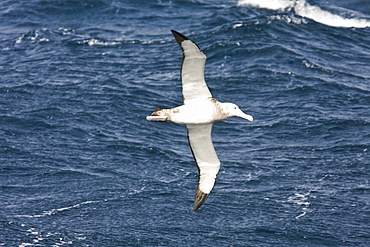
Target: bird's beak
(245, 116)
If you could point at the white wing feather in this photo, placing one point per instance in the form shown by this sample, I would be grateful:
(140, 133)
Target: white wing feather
(204, 154)
(192, 69)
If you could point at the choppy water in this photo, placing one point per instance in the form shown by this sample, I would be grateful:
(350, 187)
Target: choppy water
(80, 165)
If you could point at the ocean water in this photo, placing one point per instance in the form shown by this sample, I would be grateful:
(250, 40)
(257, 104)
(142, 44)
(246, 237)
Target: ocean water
(81, 166)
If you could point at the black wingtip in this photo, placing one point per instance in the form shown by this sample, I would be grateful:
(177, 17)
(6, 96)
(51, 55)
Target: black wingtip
(179, 37)
(200, 198)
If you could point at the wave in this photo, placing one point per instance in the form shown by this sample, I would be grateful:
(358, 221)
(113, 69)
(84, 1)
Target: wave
(304, 9)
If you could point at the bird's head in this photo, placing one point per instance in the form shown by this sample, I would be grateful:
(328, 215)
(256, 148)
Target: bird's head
(233, 110)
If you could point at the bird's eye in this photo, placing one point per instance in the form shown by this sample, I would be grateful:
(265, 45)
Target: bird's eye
(234, 107)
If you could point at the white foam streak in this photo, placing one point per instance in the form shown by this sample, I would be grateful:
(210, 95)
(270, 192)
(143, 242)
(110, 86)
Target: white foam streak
(55, 210)
(92, 42)
(302, 8)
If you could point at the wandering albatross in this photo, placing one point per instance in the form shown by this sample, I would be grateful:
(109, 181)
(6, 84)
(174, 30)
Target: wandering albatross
(199, 112)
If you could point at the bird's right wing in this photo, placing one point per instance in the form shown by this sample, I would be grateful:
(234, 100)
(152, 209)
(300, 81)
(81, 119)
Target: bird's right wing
(207, 161)
(192, 69)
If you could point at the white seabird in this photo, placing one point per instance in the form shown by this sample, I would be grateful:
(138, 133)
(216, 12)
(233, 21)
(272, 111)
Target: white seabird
(199, 112)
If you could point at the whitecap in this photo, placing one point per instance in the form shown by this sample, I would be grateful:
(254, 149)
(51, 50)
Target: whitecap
(302, 8)
(268, 4)
(317, 14)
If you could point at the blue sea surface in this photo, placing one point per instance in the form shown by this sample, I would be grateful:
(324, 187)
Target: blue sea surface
(81, 166)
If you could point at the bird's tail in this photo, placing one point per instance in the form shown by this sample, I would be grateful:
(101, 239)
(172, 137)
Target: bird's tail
(159, 115)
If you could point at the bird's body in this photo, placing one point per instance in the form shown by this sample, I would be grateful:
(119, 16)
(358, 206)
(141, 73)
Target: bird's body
(207, 111)
(199, 112)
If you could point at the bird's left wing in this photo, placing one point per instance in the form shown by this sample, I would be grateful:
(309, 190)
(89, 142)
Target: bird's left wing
(207, 161)
(192, 69)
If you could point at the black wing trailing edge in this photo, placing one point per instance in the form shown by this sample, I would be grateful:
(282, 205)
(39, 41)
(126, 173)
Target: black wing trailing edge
(199, 198)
